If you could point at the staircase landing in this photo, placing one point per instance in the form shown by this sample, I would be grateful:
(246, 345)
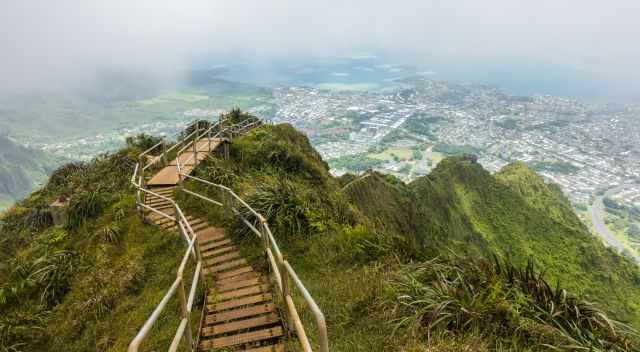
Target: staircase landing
(169, 176)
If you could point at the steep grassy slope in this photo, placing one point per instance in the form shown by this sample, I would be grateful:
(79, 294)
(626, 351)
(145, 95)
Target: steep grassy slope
(515, 214)
(88, 286)
(21, 171)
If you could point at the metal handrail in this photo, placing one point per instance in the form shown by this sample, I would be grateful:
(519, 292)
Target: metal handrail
(233, 129)
(164, 137)
(163, 141)
(184, 228)
(280, 268)
(282, 271)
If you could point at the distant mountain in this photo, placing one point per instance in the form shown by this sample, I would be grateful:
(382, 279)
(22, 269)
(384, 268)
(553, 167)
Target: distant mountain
(461, 207)
(21, 171)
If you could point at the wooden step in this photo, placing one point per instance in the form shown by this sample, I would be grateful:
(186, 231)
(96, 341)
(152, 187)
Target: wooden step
(162, 221)
(234, 285)
(154, 198)
(240, 339)
(225, 266)
(160, 195)
(215, 244)
(214, 252)
(271, 348)
(240, 277)
(168, 208)
(200, 226)
(169, 226)
(166, 225)
(221, 259)
(210, 234)
(217, 318)
(251, 323)
(235, 303)
(197, 222)
(235, 272)
(162, 189)
(247, 291)
(157, 201)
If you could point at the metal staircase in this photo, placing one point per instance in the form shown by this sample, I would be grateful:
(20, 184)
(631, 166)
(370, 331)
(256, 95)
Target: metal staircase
(239, 313)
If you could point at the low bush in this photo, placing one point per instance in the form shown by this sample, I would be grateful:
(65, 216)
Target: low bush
(515, 306)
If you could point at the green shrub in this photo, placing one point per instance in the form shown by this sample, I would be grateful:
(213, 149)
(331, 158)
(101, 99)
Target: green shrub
(513, 305)
(84, 206)
(283, 205)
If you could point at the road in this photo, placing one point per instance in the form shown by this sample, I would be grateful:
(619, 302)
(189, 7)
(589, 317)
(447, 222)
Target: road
(596, 212)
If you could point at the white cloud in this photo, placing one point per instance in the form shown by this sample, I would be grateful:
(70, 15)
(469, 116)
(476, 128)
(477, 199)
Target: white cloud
(50, 41)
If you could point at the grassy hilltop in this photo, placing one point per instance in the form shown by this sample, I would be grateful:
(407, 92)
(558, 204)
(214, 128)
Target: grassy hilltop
(458, 260)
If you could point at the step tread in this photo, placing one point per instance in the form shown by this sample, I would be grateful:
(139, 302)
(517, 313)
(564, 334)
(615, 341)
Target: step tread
(240, 277)
(217, 318)
(239, 302)
(221, 258)
(233, 285)
(216, 244)
(235, 272)
(209, 253)
(245, 324)
(225, 266)
(239, 339)
(210, 233)
(247, 291)
(200, 226)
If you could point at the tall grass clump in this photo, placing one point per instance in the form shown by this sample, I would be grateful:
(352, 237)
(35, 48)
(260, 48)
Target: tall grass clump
(84, 206)
(284, 206)
(514, 306)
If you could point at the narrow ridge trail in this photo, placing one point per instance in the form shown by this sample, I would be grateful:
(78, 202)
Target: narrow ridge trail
(240, 314)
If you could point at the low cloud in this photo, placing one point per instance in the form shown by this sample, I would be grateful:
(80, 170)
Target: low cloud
(54, 43)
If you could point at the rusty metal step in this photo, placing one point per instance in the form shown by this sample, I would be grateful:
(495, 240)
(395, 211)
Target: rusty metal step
(238, 325)
(239, 302)
(240, 339)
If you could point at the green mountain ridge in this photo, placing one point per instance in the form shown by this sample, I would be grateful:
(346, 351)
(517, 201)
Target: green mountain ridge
(21, 171)
(457, 260)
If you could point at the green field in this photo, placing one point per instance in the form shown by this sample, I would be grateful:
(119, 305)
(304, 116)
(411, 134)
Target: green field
(388, 154)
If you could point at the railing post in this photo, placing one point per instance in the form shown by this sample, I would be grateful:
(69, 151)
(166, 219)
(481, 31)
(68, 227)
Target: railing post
(286, 292)
(195, 147)
(226, 203)
(163, 159)
(265, 235)
(185, 314)
(177, 219)
(225, 148)
(199, 256)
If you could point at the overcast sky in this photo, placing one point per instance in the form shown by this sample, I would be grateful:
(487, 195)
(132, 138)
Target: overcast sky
(62, 41)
